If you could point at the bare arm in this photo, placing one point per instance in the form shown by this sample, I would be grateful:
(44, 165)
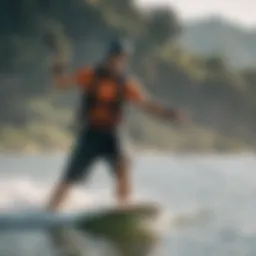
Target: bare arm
(157, 109)
(61, 78)
(139, 98)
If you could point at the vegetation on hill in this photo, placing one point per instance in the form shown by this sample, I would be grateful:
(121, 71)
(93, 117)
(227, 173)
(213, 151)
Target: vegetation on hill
(214, 35)
(220, 100)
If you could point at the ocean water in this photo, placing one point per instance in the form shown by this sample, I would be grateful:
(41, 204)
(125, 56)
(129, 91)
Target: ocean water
(214, 194)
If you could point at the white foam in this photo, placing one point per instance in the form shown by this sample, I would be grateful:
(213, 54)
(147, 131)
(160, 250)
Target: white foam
(21, 193)
(25, 193)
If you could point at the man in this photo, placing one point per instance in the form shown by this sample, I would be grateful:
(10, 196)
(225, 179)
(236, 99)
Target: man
(105, 90)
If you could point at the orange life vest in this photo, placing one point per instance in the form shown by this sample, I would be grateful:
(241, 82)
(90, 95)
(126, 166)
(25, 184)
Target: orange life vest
(102, 102)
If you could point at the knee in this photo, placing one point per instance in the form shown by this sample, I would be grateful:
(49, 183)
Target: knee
(124, 162)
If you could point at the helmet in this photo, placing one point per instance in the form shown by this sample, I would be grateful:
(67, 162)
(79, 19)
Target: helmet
(119, 46)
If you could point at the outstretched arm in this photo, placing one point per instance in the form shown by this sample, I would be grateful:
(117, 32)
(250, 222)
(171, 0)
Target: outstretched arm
(61, 78)
(157, 109)
(141, 100)
(64, 80)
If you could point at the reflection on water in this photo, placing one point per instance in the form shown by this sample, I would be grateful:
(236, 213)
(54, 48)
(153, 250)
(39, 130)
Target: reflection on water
(74, 243)
(71, 242)
(119, 232)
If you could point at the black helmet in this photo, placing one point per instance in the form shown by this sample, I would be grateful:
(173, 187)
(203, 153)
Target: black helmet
(119, 46)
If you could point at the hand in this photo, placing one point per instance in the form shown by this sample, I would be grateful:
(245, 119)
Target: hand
(177, 116)
(51, 41)
(59, 66)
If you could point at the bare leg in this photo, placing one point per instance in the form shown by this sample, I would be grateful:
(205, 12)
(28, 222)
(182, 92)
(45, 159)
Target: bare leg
(59, 195)
(123, 183)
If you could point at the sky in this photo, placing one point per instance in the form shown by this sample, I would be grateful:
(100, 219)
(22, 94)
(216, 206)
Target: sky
(239, 11)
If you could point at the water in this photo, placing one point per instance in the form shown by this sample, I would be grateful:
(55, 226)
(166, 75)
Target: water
(222, 186)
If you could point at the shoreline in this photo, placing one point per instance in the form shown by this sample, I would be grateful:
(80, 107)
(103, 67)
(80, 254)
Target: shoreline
(131, 150)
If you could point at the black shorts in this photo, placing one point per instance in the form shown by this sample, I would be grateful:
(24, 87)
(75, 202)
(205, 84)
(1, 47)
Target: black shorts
(92, 144)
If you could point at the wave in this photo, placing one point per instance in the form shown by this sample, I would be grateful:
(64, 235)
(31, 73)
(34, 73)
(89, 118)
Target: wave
(23, 193)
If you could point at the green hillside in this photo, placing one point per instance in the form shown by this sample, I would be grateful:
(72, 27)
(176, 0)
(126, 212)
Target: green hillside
(220, 101)
(217, 36)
